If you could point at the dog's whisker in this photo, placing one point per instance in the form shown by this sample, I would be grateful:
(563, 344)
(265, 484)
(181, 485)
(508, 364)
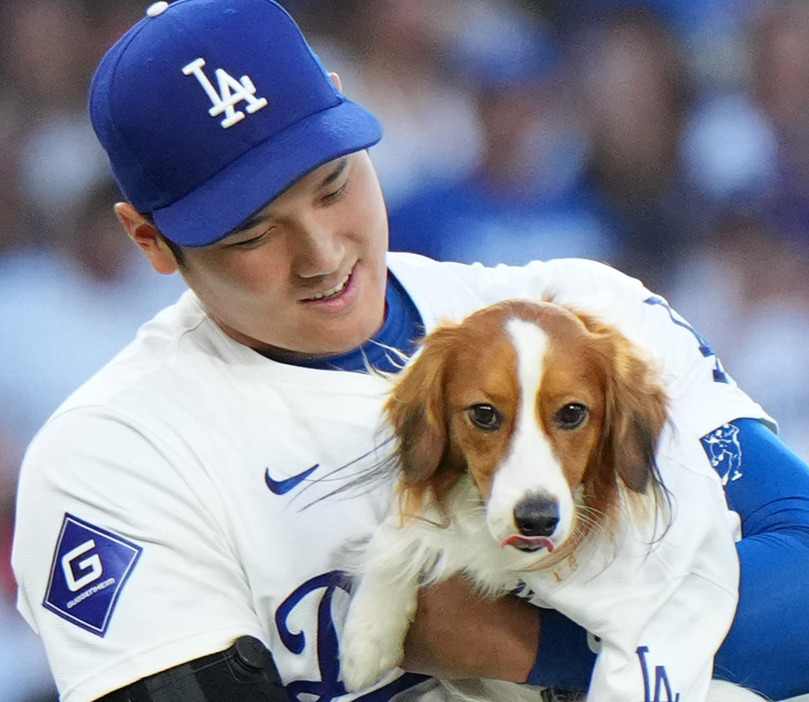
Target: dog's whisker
(368, 477)
(590, 521)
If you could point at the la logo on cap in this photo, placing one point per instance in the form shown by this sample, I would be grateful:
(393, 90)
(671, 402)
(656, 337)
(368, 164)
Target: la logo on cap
(231, 93)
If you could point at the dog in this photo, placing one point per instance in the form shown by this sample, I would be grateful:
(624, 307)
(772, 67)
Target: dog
(527, 439)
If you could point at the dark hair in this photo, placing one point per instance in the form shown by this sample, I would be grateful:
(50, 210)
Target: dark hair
(175, 249)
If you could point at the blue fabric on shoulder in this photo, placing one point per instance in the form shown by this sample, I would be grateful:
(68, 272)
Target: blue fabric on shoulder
(767, 648)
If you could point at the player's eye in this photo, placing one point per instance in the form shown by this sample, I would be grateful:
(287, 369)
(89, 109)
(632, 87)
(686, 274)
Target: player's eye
(253, 241)
(336, 194)
(486, 417)
(571, 416)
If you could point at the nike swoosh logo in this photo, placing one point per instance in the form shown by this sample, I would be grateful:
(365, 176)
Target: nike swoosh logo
(282, 487)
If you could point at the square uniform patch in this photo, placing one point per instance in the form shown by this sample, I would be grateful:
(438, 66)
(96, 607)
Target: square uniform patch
(89, 569)
(724, 452)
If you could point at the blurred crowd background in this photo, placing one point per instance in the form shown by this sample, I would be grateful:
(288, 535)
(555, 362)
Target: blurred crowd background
(669, 138)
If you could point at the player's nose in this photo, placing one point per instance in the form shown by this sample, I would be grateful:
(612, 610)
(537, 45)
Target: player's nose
(319, 251)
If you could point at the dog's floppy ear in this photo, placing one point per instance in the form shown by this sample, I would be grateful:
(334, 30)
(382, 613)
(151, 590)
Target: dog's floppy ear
(416, 410)
(634, 412)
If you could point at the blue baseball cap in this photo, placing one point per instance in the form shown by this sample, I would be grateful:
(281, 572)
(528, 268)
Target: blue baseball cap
(210, 109)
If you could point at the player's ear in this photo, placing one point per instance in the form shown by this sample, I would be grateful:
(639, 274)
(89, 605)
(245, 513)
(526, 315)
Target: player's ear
(147, 237)
(336, 80)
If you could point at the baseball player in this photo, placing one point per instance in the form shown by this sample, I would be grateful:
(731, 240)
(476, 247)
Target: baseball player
(179, 533)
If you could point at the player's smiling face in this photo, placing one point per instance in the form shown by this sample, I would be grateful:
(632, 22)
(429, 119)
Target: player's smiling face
(306, 274)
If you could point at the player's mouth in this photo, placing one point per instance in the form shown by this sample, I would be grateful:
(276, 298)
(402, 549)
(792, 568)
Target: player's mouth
(333, 293)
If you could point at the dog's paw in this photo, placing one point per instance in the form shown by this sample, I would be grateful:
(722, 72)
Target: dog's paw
(366, 661)
(370, 647)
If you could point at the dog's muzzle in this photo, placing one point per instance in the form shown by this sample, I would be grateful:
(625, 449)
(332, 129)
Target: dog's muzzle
(536, 518)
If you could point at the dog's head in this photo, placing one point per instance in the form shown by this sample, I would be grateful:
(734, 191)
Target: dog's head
(550, 413)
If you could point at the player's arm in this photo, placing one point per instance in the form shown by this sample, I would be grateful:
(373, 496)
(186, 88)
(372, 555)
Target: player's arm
(116, 556)
(767, 647)
(457, 633)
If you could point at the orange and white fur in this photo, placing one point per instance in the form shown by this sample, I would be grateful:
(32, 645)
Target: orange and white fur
(526, 441)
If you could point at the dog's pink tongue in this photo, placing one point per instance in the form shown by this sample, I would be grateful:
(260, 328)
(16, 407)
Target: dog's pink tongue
(529, 543)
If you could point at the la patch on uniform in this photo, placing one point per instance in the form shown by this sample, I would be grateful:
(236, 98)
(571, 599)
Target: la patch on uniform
(89, 569)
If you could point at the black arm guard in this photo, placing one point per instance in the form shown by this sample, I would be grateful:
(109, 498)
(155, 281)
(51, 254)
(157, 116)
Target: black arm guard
(245, 672)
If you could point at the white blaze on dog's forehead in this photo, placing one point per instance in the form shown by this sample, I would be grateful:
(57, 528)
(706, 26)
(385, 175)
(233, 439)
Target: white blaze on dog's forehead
(530, 466)
(530, 343)
(531, 458)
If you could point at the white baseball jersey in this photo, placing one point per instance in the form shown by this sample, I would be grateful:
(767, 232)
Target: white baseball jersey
(183, 496)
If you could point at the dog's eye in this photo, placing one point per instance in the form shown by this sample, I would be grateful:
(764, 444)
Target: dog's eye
(485, 417)
(571, 416)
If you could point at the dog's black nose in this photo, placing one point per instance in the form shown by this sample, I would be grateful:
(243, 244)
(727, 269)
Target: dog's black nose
(536, 515)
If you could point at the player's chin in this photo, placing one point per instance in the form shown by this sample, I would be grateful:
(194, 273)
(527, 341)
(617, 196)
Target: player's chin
(346, 337)
(343, 322)
(353, 317)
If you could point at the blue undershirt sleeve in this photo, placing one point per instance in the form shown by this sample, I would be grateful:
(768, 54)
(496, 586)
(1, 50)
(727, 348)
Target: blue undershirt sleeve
(564, 659)
(767, 648)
